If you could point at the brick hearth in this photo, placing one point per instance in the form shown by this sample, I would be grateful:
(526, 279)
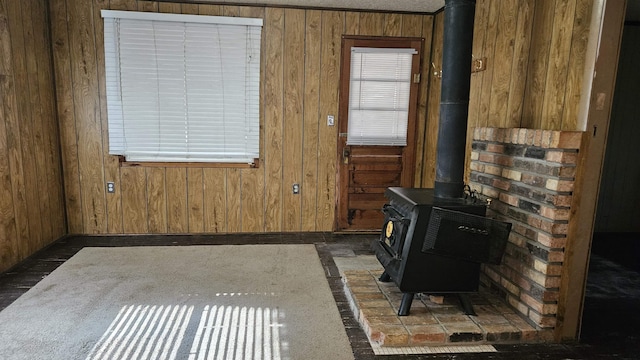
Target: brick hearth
(375, 305)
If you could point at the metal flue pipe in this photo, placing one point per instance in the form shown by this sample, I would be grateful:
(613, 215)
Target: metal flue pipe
(454, 103)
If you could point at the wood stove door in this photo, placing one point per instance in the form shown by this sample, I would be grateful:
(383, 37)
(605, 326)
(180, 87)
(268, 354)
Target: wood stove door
(367, 167)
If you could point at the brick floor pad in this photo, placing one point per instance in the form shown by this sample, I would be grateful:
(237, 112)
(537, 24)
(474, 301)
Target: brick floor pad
(432, 323)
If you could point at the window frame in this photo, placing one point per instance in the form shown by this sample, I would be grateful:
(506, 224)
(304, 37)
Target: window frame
(219, 20)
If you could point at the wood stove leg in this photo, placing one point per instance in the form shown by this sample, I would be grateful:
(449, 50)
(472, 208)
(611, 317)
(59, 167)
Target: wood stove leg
(405, 304)
(466, 304)
(384, 277)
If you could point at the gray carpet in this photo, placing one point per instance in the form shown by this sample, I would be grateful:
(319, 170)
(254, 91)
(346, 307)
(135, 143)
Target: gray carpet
(195, 302)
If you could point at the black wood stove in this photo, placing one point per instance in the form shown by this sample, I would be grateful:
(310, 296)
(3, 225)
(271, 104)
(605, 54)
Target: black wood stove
(436, 245)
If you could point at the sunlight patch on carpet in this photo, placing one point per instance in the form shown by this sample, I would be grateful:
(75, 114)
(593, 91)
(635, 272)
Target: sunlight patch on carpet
(144, 332)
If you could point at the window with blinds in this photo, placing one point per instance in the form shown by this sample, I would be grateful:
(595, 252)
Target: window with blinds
(182, 88)
(380, 83)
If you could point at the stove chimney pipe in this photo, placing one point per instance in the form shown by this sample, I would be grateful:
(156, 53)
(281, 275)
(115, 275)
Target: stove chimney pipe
(454, 103)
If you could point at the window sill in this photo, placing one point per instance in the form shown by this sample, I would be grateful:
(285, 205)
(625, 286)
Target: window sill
(125, 163)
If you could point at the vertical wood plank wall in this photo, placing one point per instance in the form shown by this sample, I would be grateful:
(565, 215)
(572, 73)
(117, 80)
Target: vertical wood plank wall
(300, 81)
(535, 51)
(31, 198)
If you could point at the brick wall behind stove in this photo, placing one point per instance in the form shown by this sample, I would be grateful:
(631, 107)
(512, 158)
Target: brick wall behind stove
(530, 175)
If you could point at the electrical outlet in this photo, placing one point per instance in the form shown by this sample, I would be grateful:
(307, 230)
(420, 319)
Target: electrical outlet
(111, 187)
(330, 120)
(296, 188)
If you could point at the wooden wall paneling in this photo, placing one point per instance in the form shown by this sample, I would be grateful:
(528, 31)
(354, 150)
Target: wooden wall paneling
(274, 48)
(191, 9)
(85, 95)
(156, 200)
(520, 63)
(479, 35)
(392, 24)
(134, 200)
(147, 6)
(177, 213)
(195, 200)
(52, 133)
(171, 8)
(412, 26)
(230, 10)
(111, 163)
(294, 25)
(502, 63)
(35, 52)
(252, 180)
(332, 28)
(26, 133)
(420, 26)
(10, 242)
(538, 60)
(371, 23)
(489, 47)
(66, 115)
(560, 49)
(312, 122)
(130, 5)
(207, 9)
(215, 201)
(576, 65)
(475, 93)
(433, 105)
(351, 23)
(234, 201)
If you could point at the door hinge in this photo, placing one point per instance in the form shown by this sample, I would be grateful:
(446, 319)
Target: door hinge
(416, 78)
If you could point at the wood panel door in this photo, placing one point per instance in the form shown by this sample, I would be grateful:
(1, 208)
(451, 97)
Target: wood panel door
(366, 170)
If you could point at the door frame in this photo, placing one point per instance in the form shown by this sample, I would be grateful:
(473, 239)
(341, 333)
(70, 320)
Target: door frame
(409, 151)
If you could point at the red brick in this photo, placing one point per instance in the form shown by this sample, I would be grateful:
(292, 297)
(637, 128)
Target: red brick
(522, 136)
(490, 192)
(509, 199)
(531, 302)
(489, 134)
(556, 256)
(530, 136)
(499, 134)
(493, 170)
(501, 184)
(476, 133)
(567, 171)
(513, 138)
(495, 148)
(546, 138)
(483, 133)
(554, 214)
(489, 158)
(550, 241)
(566, 140)
(542, 321)
(537, 138)
(476, 166)
(562, 157)
(504, 160)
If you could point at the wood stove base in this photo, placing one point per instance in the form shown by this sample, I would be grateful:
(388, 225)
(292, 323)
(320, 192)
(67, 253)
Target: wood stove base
(407, 299)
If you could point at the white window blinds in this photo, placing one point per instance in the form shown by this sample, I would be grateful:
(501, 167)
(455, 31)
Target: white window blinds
(182, 88)
(380, 83)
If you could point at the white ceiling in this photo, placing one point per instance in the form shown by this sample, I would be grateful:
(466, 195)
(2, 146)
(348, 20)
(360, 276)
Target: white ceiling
(420, 6)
